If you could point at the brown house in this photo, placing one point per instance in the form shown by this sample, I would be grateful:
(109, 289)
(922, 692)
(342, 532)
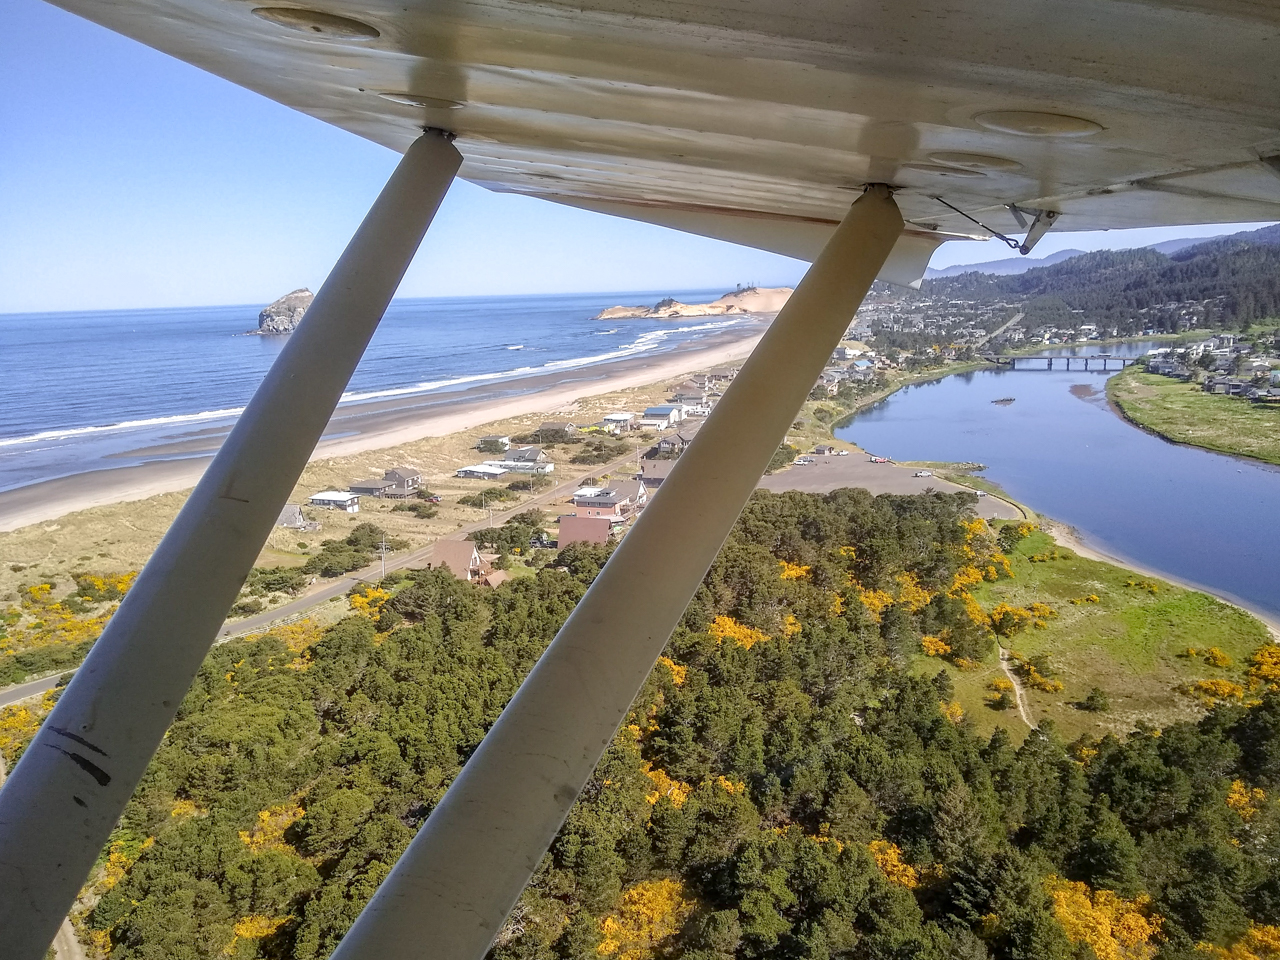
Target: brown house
(584, 530)
(460, 557)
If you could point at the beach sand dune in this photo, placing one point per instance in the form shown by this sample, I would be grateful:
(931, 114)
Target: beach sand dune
(764, 300)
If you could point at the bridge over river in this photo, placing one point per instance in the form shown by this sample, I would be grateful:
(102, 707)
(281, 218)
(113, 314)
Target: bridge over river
(1095, 361)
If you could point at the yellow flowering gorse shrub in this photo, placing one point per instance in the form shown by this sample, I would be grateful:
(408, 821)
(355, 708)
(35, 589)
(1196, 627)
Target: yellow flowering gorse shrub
(727, 628)
(268, 832)
(1115, 928)
(1245, 801)
(1260, 942)
(792, 571)
(648, 913)
(888, 857)
(678, 672)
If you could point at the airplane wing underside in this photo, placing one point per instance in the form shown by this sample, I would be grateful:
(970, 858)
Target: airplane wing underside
(759, 121)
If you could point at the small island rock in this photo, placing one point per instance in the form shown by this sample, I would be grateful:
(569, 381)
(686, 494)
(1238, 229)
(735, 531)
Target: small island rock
(286, 313)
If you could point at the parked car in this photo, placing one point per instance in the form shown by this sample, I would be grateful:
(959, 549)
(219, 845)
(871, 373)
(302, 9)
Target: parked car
(434, 498)
(842, 453)
(924, 473)
(803, 461)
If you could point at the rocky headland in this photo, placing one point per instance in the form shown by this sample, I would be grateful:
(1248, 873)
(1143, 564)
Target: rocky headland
(744, 300)
(284, 315)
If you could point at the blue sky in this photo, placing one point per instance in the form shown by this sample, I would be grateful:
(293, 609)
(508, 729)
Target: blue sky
(130, 179)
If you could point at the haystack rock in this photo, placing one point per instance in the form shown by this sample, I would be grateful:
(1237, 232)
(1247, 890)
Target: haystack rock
(743, 300)
(286, 313)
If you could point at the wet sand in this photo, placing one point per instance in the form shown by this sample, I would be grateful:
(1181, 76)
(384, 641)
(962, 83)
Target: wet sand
(358, 427)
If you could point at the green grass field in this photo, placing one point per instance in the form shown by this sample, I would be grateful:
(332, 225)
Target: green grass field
(1184, 413)
(1129, 644)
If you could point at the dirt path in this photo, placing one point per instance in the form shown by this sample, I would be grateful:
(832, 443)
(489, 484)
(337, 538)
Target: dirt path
(1023, 712)
(66, 945)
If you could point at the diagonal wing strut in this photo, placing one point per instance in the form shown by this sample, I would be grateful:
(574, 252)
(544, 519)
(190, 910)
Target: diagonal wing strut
(453, 887)
(62, 800)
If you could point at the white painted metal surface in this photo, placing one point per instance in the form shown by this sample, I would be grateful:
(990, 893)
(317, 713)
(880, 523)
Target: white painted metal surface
(451, 890)
(65, 795)
(760, 120)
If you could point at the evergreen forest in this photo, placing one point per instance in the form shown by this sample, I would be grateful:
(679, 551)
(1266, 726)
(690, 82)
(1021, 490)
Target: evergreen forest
(1237, 278)
(786, 786)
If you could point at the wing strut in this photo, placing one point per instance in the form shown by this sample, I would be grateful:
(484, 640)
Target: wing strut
(67, 792)
(452, 889)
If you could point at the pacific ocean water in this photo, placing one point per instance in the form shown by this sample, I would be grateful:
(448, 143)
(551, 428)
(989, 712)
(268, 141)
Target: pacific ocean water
(78, 387)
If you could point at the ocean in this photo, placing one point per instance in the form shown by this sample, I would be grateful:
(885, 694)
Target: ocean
(79, 391)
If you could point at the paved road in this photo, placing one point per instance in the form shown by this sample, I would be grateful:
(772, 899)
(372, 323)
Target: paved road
(830, 473)
(325, 590)
(32, 688)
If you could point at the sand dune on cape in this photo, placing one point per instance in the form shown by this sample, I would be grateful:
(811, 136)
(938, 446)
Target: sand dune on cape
(746, 300)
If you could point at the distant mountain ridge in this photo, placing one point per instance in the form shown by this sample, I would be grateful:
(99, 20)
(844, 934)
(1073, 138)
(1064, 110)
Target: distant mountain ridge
(1006, 267)
(1016, 265)
(1239, 272)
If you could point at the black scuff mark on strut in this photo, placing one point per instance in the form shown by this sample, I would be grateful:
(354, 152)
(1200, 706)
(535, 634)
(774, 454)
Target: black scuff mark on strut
(80, 740)
(78, 800)
(85, 764)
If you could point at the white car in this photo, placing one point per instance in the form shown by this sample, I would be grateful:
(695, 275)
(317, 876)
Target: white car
(842, 453)
(924, 473)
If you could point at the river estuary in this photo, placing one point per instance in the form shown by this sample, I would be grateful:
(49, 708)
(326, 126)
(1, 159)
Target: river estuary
(1196, 516)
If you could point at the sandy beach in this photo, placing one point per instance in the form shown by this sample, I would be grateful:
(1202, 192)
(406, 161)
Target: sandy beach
(360, 427)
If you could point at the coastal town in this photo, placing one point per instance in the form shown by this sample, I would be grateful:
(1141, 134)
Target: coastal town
(1228, 364)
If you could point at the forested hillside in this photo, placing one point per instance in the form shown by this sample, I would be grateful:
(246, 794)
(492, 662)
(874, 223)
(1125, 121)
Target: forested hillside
(783, 788)
(1239, 274)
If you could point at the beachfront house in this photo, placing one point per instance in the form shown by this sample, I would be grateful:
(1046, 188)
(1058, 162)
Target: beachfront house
(396, 483)
(556, 431)
(493, 443)
(292, 518)
(481, 471)
(689, 392)
(670, 412)
(371, 488)
(343, 500)
(524, 460)
(722, 374)
(406, 481)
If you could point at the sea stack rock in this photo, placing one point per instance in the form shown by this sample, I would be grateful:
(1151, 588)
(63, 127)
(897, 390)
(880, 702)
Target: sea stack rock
(286, 313)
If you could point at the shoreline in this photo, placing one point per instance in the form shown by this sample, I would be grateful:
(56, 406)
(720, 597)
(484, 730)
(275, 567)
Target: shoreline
(1118, 408)
(1063, 533)
(1069, 537)
(374, 425)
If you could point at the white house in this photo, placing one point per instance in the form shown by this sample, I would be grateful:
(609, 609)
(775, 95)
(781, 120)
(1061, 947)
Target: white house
(524, 460)
(481, 471)
(336, 500)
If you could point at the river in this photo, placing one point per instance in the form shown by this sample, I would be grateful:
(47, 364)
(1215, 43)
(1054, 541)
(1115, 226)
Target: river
(1198, 517)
